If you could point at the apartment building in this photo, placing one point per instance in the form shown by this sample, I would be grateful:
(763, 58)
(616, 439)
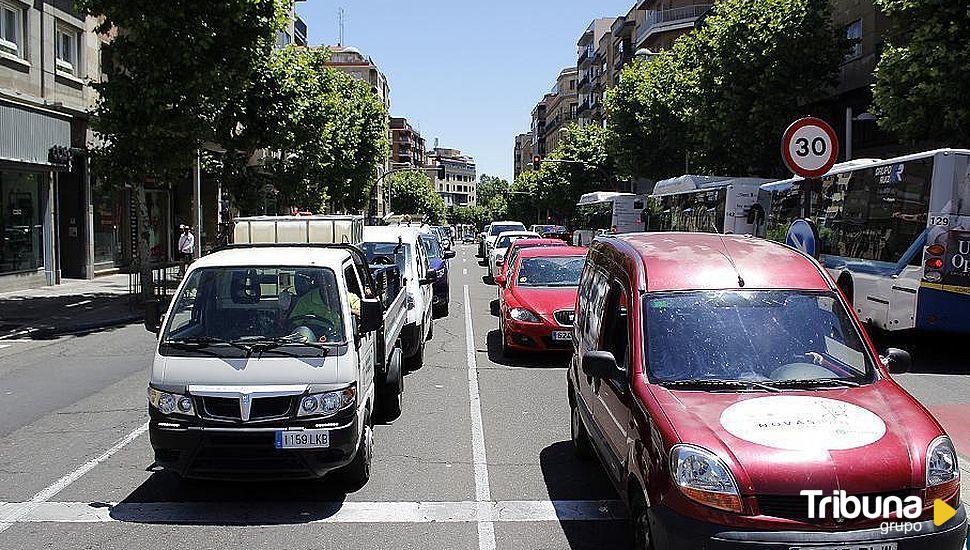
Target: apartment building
(459, 185)
(590, 64)
(538, 132)
(407, 145)
(561, 107)
(665, 20)
(623, 36)
(522, 154)
(48, 53)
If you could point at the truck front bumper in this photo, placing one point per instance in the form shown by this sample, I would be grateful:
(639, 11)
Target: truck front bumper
(673, 531)
(199, 451)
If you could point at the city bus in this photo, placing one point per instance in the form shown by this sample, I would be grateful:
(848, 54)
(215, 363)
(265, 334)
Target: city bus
(706, 204)
(603, 212)
(895, 235)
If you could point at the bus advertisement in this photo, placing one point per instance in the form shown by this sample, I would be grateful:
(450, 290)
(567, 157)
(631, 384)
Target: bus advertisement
(895, 235)
(704, 204)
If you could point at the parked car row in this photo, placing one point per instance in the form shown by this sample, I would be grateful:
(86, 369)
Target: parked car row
(280, 352)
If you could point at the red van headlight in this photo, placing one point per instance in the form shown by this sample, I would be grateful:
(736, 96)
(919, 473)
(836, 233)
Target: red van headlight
(942, 469)
(704, 478)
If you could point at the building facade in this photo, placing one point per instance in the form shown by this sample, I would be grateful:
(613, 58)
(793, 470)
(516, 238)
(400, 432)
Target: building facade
(665, 20)
(407, 145)
(459, 184)
(590, 64)
(522, 154)
(48, 53)
(561, 107)
(539, 126)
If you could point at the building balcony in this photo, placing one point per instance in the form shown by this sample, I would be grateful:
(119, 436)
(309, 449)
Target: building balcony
(583, 107)
(658, 21)
(584, 56)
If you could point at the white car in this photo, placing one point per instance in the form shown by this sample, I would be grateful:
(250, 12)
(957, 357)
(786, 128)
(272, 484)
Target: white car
(497, 254)
(495, 229)
(401, 244)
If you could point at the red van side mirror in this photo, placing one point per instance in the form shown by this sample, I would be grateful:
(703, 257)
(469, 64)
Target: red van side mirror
(500, 280)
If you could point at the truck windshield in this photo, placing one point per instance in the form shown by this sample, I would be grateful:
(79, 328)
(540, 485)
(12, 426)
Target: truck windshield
(499, 229)
(236, 308)
(771, 337)
(432, 246)
(561, 271)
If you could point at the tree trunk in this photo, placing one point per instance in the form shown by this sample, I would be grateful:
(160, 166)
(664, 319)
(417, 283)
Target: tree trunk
(143, 262)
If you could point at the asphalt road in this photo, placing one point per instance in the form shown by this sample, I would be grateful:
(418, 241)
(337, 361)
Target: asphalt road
(480, 458)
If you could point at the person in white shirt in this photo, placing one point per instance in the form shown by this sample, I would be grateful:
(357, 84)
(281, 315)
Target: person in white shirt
(186, 248)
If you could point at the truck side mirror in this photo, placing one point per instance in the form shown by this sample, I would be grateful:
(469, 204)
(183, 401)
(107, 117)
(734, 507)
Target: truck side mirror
(898, 361)
(153, 316)
(449, 254)
(371, 315)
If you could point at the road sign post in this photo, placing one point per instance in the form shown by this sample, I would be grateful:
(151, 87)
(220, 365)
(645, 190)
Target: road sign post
(810, 147)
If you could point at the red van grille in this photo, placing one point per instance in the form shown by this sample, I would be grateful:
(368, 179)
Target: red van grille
(795, 507)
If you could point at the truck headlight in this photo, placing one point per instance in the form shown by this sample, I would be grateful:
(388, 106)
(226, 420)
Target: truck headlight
(941, 462)
(170, 403)
(704, 478)
(524, 315)
(327, 403)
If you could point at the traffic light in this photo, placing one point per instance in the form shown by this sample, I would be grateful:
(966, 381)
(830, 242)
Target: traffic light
(536, 162)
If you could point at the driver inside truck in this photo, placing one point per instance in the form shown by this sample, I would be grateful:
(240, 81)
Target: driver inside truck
(314, 316)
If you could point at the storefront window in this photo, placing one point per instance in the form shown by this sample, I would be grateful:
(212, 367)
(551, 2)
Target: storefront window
(159, 228)
(107, 227)
(21, 222)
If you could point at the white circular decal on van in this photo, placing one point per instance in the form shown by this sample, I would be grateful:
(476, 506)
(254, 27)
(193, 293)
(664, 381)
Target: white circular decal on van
(801, 423)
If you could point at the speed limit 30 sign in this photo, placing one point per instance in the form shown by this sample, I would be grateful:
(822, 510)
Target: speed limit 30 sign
(810, 147)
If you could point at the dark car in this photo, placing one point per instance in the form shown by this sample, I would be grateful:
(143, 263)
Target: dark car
(438, 271)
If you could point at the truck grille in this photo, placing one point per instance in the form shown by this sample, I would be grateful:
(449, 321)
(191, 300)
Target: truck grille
(565, 317)
(263, 408)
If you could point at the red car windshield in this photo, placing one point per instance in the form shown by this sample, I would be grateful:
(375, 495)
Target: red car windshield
(561, 271)
(754, 336)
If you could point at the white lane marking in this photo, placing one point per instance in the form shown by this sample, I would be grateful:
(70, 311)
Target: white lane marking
(464, 271)
(5, 346)
(9, 516)
(79, 303)
(253, 513)
(483, 494)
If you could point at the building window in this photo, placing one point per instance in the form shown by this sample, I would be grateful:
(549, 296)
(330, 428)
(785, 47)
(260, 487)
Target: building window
(853, 32)
(12, 29)
(283, 39)
(66, 42)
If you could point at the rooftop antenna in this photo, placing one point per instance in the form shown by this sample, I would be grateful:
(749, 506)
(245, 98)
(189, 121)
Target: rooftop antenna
(727, 255)
(340, 22)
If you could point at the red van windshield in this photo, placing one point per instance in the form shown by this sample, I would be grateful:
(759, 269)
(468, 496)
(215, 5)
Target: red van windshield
(752, 336)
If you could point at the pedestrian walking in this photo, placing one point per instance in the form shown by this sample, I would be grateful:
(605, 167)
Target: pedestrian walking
(186, 248)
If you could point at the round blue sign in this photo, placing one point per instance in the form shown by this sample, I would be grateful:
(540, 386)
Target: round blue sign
(803, 236)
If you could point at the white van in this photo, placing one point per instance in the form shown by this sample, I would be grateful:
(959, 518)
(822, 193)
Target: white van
(401, 244)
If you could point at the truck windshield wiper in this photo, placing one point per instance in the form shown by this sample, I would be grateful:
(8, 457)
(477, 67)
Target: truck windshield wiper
(814, 383)
(717, 383)
(263, 344)
(200, 342)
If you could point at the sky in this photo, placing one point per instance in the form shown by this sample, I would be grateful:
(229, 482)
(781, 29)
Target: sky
(465, 72)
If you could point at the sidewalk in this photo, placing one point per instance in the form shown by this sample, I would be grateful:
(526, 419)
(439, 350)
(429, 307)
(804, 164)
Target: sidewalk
(73, 306)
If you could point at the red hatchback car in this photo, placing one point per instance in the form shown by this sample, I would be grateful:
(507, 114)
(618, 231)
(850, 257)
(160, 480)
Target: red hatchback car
(733, 397)
(539, 296)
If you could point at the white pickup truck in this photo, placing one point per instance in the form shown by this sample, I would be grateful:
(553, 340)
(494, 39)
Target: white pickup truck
(276, 354)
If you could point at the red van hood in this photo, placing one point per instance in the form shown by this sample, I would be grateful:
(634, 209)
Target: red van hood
(544, 301)
(871, 439)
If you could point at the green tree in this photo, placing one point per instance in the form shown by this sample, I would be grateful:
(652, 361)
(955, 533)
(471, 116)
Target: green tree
(476, 216)
(414, 193)
(558, 186)
(327, 132)
(757, 65)
(160, 103)
(492, 194)
(922, 78)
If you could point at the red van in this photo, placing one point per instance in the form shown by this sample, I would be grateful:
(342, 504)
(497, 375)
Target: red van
(733, 397)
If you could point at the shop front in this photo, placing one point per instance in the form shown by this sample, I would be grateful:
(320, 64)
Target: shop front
(29, 166)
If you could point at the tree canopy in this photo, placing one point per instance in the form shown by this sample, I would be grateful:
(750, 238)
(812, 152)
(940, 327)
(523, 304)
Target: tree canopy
(922, 77)
(414, 193)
